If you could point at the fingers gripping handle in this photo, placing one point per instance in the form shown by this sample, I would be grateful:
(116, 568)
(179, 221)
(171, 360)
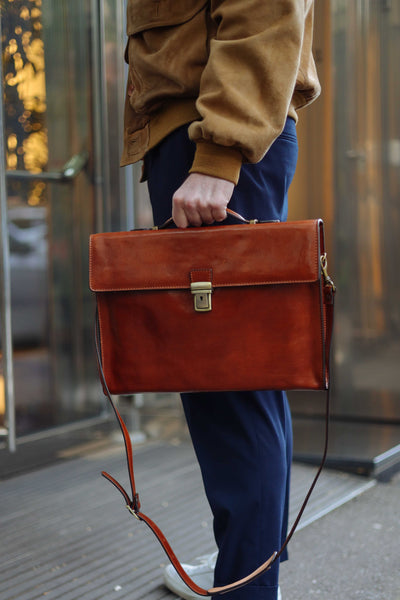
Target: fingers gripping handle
(230, 212)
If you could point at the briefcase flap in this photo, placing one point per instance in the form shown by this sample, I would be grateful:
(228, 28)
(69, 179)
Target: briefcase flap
(229, 255)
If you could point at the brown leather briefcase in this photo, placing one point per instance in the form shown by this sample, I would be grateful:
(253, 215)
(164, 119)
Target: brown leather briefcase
(234, 307)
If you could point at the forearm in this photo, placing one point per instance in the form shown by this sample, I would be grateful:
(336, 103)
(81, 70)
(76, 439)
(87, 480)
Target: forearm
(248, 82)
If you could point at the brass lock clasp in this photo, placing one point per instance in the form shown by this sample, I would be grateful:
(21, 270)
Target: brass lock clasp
(202, 291)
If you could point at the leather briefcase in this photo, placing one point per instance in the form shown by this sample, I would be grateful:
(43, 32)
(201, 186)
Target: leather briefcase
(232, 307)
(236, 307)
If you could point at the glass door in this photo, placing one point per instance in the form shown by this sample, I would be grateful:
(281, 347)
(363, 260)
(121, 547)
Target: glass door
(366, 51)
(57, 189)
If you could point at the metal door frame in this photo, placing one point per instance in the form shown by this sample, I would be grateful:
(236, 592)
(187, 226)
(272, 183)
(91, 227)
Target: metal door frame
(5, 305)
(101, 181)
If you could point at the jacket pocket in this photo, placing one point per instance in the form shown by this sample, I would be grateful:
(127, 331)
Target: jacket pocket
(143, 15)
(167, 54)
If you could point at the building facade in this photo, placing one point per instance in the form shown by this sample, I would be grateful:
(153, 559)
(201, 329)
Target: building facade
(63, 83)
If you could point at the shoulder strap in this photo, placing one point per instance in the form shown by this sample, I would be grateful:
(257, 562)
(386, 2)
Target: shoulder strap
(132, 501)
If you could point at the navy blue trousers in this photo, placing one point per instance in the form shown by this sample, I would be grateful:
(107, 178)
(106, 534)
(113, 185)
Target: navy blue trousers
(243, 440)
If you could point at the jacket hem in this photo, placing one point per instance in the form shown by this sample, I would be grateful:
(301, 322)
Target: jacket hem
(174, 114)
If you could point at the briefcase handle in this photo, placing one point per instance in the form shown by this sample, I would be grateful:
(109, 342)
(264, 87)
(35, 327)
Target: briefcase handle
(230, 213)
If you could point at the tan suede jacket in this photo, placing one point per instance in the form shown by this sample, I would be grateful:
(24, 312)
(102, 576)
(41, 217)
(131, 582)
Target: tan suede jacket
(234, 69)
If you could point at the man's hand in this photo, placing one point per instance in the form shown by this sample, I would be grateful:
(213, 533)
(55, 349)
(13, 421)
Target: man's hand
(201, 199)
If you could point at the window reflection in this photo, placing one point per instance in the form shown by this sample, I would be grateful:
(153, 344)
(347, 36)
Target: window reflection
(47, 77)
(367, 211)
(29, 273)
(24, 92)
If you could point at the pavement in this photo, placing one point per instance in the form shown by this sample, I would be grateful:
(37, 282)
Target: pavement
(65, 533)
(352, 553)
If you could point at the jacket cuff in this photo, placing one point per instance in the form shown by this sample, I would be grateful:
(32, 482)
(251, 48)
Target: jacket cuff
(217, 161)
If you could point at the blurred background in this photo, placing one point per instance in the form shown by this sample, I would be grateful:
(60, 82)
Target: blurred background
(63, 84)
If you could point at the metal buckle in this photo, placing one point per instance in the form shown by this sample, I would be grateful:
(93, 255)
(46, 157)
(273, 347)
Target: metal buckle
(133, 512)
(324, 268)
(202, 291)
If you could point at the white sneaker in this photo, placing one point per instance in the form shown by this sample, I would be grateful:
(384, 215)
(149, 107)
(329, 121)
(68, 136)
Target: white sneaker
(202, 574)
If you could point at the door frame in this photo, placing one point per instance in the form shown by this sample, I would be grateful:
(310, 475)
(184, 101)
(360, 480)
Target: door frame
(112, 208)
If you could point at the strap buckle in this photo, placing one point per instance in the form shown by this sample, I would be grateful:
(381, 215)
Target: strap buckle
(133, 512)
(324, 268)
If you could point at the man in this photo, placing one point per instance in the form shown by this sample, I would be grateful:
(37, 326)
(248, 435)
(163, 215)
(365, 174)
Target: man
(213, 92)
